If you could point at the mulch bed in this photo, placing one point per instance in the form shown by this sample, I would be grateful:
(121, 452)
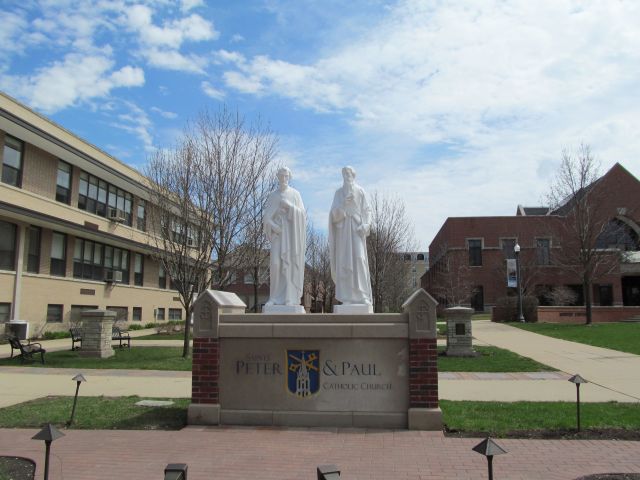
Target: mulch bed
(561, 434)
(17, 468)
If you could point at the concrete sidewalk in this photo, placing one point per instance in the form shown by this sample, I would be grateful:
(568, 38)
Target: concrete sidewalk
(277, 453)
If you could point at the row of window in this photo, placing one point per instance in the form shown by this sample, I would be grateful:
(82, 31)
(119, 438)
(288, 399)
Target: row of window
(55, 313)
(543, 250)
(95, 195)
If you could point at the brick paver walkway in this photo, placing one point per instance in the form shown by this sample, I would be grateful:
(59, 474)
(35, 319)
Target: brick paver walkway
(270, 453)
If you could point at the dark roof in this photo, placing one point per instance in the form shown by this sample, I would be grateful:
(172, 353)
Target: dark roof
(532, 210)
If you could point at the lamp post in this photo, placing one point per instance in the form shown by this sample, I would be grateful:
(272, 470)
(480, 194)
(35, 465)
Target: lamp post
(578, 380)
(49, 433)
(489, 449)
(516, 250)
(79, 378)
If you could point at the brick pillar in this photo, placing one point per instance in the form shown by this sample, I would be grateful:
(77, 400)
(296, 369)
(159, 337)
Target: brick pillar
(423, 373)
(205, 372)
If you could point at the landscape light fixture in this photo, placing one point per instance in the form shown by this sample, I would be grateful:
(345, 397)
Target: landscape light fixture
(79, 378)
(328, 472)
(577, 379)
(516, 250)
(489, 448)
(49, 433)
(176, 471)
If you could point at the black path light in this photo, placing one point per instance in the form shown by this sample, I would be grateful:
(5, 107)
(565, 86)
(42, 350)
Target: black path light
(176, 471)
(49, 433)
(577, 379)
(79, 378)
(516, 250)
(328, 472)
(489, 448)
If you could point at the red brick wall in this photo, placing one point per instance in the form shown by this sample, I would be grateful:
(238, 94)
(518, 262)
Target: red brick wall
(206, 370)
(423, 373)
(578, 315)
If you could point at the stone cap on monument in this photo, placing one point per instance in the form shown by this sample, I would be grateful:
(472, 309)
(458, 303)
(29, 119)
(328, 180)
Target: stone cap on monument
(421, 308)
(207, 309)
(98, 313)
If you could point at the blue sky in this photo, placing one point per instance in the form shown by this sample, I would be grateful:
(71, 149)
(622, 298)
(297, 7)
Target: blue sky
(459, 108)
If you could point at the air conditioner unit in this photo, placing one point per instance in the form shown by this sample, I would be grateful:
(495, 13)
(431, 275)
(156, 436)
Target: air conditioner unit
(113, 276)
(116, 215)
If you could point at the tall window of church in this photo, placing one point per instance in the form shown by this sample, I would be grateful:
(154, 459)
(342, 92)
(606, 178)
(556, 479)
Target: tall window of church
(475, 252)
(33, 249)
(508, 244)
(7, 246)
(138, 269)
(543, 251)
(58, 254)
(617, 234)
(63, 183)
(12, 161)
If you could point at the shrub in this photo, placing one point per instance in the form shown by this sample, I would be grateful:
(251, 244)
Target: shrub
(150, 325)
(56, 335)
(135, 326)
(506, 309)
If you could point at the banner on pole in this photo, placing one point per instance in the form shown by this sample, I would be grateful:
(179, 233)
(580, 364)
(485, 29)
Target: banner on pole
(512, 273)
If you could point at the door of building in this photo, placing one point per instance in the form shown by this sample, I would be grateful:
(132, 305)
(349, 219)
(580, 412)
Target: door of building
(631, 291)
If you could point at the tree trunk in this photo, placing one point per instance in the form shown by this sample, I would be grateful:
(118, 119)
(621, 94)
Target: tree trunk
(187, 330)
(255, 291)
(586, 286)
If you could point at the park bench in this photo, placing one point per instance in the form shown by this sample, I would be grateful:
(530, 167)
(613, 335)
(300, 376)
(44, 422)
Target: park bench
(121, 335)
(26, 349)
(76, 337)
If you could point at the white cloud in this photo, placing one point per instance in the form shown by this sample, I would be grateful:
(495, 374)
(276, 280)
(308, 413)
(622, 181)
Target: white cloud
(211, 91)
(237, 38)
(76, 78)
(164, 113)
(137, 122)
(187, 5)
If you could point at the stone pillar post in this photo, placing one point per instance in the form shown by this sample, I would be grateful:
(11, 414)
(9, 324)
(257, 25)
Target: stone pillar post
(459, 339)
(424, 411)
(96, 333)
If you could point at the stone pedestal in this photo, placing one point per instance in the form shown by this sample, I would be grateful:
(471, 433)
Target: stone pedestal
(97, 328)
(283, 309)
(459, 339)
(353, 309)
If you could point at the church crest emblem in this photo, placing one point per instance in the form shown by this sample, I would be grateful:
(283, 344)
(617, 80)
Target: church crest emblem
(303, 372)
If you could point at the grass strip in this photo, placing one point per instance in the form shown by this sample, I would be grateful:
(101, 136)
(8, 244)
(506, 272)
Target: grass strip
(622, 336)
(99, 413)
(490, 359)
(138, 358)
(163, 336)
(502, 418)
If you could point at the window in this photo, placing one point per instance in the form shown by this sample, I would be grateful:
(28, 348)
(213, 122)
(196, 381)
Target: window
(138, 269)
(33, 249)
(475, 252)
(58, 254)
(543, 251)
(248, 278)
(420, 257)
(94, 261)
(407, 257)
(507, 245)
(96, 195)
(477, 299)
(54, 313)
(63, 183)
(122, 313)
(141, 220)
(75, 316)
(162, 276)
(605, 292)
(136, 314)
(160, 314)
(12, 161)
(7, 245)
(5, 312)
(175, 314)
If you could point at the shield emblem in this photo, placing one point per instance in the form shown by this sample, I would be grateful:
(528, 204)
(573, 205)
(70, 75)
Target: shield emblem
(303, 372)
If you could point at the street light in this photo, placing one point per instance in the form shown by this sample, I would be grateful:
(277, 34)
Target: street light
(49, 433)
(516, 250)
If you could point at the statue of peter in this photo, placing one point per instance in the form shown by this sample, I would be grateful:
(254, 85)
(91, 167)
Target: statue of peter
(284, 224)
(349, 222)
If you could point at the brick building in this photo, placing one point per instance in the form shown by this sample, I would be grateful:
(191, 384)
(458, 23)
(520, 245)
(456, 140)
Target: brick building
(467, 257)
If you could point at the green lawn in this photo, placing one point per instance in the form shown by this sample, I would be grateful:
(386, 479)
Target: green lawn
(499, 418)
(621, 336)
(491, 359)
(99, 413)
(140, 358)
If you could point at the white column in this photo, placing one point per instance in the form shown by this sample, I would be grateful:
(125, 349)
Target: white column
(17, 287)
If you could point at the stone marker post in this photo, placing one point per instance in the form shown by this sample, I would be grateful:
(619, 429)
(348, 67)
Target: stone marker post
(96, 333)
(424, 410)
(459, 339)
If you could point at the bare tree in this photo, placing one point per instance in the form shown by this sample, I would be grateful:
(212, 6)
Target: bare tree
(450, 277)
(181, 221)
(238, 156)
(390, 236)
(318, 281)
(576, 196)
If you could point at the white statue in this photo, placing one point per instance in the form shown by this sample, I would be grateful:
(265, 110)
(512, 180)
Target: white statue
(285, 226)
(349, 222)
